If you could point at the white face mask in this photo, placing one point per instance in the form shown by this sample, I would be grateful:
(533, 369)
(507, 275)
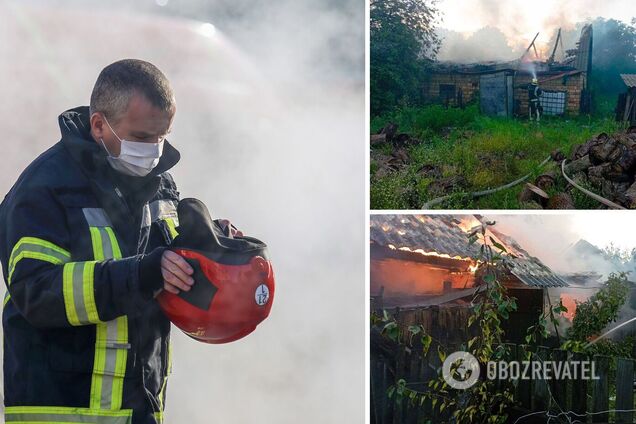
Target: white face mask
(135, 158)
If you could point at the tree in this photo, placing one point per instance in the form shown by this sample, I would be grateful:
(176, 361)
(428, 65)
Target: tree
(613, 53)
(403, 40)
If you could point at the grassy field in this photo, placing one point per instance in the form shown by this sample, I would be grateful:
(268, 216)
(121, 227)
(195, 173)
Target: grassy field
(487, 152)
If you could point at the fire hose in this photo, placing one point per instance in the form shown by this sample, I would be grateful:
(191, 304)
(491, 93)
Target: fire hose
(477, 194)
(594, 196)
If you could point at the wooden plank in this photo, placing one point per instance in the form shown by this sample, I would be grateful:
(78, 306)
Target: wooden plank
(559, 388)
(414, 410)
(624, 390)
(600, 387)
(540, 389)
(579, 389)
(398, 408)
(524, 386)
(375, 388)
(387, 416)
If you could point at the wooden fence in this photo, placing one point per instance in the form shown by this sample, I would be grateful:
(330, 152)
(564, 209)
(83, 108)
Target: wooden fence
(588, 398)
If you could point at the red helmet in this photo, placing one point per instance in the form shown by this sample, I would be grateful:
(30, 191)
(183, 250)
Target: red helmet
(234, 281)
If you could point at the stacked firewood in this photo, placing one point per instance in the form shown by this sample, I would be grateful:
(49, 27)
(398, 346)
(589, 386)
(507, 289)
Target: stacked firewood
(605, 165)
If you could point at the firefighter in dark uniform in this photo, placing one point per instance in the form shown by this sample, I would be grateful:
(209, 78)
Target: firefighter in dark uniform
(83, 236)
(534, 106)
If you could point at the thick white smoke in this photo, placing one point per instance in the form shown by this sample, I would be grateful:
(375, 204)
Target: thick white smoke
(270, 125)
(475, 27)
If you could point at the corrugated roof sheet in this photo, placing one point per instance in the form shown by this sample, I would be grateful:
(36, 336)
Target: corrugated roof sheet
(629, 79)
(444, 235)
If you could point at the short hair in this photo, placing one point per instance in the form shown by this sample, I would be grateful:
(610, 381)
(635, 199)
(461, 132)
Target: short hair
(119, 81)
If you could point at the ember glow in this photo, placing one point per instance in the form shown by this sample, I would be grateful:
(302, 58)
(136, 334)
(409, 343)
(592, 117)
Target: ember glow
(473, 267)
(569, 300)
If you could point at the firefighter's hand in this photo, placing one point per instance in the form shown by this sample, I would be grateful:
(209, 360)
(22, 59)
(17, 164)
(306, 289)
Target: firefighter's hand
(233, 231)
(176, 272)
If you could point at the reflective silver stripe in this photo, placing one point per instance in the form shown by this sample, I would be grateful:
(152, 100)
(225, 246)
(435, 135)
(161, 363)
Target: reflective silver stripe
(162, 209)
(96, 217)
(78, 293)
(107, 247)
(31, 247)
(146, 219)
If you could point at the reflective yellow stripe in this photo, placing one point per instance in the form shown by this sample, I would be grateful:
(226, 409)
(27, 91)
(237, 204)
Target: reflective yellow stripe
(36, 248)
(7, 296)
(111, 340)
(59, 414)
(96, 239)
(159, 417)
(79, 293)
(172, 227)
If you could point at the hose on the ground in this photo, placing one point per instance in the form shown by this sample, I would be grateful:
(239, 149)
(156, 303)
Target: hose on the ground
(594, 196)
(477, 194)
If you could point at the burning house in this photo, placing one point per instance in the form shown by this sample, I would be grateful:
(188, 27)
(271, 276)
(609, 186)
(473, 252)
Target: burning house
(501, 88)
(424, 266)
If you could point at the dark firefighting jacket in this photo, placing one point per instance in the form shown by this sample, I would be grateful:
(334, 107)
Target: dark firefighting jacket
(534, 92)
(84, 339)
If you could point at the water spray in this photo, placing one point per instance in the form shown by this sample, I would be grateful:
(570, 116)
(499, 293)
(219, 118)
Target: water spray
(602, 336)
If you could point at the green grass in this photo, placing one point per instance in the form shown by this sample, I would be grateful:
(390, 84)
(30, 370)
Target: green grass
(487, 152)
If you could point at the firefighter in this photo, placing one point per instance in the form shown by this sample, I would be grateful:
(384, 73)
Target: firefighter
(83, 236)
(534, 106)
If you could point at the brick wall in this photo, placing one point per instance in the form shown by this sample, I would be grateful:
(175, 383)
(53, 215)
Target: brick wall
(469, 85)
(572, 84)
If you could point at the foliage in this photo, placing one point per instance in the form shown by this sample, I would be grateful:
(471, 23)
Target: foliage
(486, 401)
(539, 331)
(486, 151)
(596, 313)
(403, 41)
(613, 53)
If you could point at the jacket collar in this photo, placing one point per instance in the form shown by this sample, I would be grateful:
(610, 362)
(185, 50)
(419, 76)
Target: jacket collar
(105, 181)
(90, 156)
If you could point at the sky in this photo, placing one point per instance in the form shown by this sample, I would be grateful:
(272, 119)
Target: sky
(270, 126)
(520, 20)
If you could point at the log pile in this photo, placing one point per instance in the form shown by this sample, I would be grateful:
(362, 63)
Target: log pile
(607, 165)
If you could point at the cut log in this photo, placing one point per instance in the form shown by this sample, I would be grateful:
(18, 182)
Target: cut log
(545, 181)
(532, 193)
(389, 130)
(377, 139)
(557, 155)
(582, 150)
(561, 201)
(602, 149)
(401, 140)
(578, 165)
(627, 160)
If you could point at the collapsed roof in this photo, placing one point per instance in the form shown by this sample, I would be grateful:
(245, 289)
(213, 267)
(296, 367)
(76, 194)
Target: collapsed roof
(578, 59)
(421, 237)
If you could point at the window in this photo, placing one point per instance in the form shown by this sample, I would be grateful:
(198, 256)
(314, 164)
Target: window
(447, 92)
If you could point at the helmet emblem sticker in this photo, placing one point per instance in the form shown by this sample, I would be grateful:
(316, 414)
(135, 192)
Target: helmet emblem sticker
(262, 295)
